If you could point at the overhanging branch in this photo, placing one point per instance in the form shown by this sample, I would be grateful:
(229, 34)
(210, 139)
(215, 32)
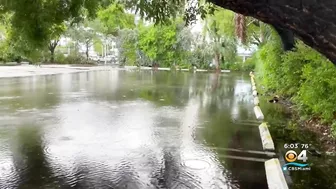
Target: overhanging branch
(313, 23)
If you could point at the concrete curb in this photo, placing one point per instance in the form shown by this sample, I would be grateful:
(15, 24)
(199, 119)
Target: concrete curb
(258, 113)
(255, 93)
(257, 110)
(274, 175)
(266, 138)
(256, 101)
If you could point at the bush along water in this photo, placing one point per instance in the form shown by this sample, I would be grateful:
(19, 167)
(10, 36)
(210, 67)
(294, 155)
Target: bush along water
(304, 77)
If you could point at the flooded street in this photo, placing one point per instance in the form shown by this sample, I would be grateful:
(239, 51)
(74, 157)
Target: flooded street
(137, 130)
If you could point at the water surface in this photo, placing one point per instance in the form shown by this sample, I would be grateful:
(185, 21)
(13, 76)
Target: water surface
(118, 129)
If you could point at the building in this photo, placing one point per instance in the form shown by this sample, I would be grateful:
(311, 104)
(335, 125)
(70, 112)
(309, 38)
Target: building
(246, 52)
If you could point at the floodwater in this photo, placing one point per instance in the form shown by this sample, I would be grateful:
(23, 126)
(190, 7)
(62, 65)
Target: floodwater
(322, 174)
(130, 129)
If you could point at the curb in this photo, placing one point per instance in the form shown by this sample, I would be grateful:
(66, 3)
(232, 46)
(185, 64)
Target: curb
(258, 113)
(274, 175)
(256, 101)
(266, 137)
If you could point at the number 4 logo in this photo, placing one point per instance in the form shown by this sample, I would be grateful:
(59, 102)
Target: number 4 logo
(303, 156)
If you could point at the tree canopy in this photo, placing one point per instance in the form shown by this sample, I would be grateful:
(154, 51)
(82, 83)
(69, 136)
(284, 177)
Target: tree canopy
(311, 22)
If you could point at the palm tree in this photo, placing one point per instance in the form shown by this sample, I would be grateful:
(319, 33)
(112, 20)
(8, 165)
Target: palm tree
(251, 31)
(223, 47)
(240, 27)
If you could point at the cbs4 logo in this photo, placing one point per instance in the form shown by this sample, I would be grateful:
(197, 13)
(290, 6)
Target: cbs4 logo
(292, 156)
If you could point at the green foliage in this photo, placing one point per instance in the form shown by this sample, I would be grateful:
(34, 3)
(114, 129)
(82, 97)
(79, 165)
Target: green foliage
(60, 58)
(98, 46)
(220, 29)
(34, 20)
(223, 20)
(249, 64)
(302, 74)
(239, 65)
(74, 59)
(127, 44)
(162, 11)
(114, 18)
(333, 129)
(157, 43)
(269, 65)
(202, 54)
(71, 59)
(163, 44)
(317, 91)
(292, 64)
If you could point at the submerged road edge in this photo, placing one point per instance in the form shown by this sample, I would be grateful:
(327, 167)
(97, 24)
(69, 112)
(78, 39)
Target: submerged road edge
(274, 175)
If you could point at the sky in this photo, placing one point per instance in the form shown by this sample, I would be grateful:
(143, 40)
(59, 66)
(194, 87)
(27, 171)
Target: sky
(197, 27)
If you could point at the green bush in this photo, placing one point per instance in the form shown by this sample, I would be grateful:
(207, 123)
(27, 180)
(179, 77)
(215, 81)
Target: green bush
(301, 74)
(239, 65)
(60, 58)
(270, 66)
(292, 64)
(317, 94)
(249, 64)
(72, 59)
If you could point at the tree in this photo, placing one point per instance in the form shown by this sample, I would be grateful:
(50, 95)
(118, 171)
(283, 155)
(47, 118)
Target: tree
(82, 35)
(157, 42)
(127, 40)
(201, 54)
(115, 18)
(33, 18)
(167, 45)
(287, 17)
(258, 33)
(56, 32)
(98, 46)
(223, 46)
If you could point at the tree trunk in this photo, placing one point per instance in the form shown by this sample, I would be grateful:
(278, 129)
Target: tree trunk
(52, 55)
(52, 46)
(217, 58)
(87, 51)
(314, 22)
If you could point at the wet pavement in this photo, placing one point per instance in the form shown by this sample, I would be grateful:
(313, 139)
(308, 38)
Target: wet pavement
(130, 129)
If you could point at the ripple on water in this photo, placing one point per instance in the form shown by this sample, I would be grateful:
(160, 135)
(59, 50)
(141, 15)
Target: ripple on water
(8, 175)
(196, 164)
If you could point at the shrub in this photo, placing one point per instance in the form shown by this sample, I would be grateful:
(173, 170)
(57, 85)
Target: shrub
(249, 64)
(302, 74)
(292, 67)
(60, 58)
(317, 94)
(270, 66)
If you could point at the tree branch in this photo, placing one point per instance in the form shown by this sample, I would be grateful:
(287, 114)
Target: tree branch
(313, 23)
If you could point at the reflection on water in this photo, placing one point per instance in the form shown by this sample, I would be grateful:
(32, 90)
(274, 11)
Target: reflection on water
(323, 168)
(116, 129)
